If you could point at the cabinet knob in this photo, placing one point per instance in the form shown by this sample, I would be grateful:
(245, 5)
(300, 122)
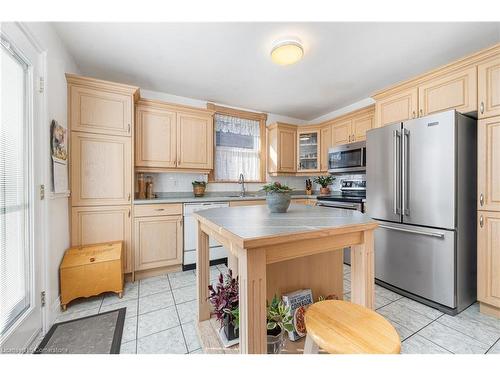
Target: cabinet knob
(481, 199)
(92, 260)
(481, 108)
(481, 221)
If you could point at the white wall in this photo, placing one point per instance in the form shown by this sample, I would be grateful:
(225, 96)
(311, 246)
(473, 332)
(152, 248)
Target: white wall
(58, 62)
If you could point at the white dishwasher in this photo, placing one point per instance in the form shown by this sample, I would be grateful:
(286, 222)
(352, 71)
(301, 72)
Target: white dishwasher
(191, 234)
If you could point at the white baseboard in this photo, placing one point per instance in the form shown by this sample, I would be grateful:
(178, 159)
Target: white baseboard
(55, 311)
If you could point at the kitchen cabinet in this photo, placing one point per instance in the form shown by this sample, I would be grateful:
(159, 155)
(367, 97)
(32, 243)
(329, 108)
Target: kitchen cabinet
(308, 150)
(256, 202)
(93, 225)
(326, 143)
(155, 137)
(101, 107)
(171, 137)
(488, 138)
(101, 169)
(457, 90)
(360, 125)
(282, 152)
(342, 132)
(158, 241)
(397, 107)
(488, 262)
(488, 81)
(195, 137)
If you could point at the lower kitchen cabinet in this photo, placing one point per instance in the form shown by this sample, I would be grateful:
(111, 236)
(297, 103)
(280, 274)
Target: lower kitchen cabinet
(158, 241)
(488, 262)
(92, 225)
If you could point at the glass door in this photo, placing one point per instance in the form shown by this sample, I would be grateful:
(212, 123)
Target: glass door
(308, 151)
(20, 225)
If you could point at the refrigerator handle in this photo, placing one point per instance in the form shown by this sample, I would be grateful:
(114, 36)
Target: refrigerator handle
(396, 136)
(422, 232)
(405, 172)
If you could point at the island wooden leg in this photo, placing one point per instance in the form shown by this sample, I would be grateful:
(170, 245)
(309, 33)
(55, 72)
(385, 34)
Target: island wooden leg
(252, 299)
(362, 272)
(203, 275)
(232, 263)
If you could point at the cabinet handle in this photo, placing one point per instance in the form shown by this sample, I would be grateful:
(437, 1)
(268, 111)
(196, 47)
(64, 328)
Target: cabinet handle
(481, 221)
(159, 209)
(481, 199)
(481, 107)
(413, 114)
(128, 197)
(128, 128)
(129, 212)
(421, 112)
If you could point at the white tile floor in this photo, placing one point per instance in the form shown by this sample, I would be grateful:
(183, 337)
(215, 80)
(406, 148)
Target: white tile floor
(161, 312)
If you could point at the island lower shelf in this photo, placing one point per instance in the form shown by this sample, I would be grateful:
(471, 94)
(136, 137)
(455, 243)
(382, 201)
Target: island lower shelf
(211, 343)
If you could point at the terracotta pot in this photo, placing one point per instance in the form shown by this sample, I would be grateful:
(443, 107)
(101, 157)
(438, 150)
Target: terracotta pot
(324, 190)
(199, 190)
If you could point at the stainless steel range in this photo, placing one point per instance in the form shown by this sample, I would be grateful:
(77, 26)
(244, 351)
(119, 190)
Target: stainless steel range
(352, 196)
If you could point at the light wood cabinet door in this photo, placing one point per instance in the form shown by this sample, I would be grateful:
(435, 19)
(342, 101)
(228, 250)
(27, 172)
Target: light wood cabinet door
(308, 150)
(488, 258)
(398, 107)
(158, 242)
(256, 202)
(488, 177)
(155, 138)
(99, 111)
(195, 141)
(342, 132)
(287, 150)
(326, 143)
(101, 169)
(360, 125)
(488, 80)
(92, 225)
(453, 91)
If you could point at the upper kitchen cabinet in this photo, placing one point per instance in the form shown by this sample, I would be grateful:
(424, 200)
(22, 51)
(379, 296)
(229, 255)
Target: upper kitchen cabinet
(101, 107)
(361, 124)
(308, 149)
(282, 153)
(488, 82)
(488, 174)
(457, 90)
(326, 143)
(101, 169)
(155, 136)
(173, 137)
(195, 141)
(396, 107)
(341, 132)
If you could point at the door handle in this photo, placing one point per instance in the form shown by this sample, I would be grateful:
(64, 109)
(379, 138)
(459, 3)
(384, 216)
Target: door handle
(481, 221)
(395, 136)
(481, 199)
(422, 232)
(406, 163)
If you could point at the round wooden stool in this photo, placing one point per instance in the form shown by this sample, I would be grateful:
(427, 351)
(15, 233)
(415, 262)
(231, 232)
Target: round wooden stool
(343, 327)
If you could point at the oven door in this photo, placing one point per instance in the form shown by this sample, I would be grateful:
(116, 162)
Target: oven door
(347, 158)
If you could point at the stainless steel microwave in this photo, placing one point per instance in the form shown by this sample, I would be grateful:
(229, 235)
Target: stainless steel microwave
(347, 158)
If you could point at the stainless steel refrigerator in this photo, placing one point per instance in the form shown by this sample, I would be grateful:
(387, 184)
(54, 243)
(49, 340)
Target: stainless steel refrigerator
(421, 187)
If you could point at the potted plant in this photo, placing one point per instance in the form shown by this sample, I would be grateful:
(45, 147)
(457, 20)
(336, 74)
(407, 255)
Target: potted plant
(224, 298)
(324, 181)
(199, 188)
(279, 321)
(277, 197)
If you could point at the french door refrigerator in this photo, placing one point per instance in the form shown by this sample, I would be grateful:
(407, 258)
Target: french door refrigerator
(421, 187)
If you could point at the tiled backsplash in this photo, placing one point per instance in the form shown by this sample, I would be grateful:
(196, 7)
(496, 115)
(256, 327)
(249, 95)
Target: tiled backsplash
(181, 182)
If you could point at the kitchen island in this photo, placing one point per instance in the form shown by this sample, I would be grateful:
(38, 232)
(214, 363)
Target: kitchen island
(276, 253)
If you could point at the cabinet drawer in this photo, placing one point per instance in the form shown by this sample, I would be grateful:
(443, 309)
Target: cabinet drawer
(158, 209)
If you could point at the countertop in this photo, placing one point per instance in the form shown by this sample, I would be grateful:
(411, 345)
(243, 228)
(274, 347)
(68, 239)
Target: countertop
(259, 222)
(222, 196)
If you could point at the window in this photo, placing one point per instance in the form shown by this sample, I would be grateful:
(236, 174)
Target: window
(15, 211)
(239, 145)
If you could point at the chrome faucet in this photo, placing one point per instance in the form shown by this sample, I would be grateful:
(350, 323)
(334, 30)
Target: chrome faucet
(241, 181)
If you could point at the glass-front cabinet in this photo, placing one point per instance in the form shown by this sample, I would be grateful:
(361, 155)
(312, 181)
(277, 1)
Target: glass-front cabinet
(308, 145)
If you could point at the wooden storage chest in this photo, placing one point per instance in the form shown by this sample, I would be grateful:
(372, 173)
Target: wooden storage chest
(90, 270)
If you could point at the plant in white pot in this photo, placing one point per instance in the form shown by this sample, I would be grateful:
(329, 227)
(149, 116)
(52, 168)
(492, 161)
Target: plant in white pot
(277, 197)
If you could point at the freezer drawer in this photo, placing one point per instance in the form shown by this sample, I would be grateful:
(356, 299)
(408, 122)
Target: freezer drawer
(417, 259)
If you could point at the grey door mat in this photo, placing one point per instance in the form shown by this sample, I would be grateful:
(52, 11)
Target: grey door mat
(93, 334)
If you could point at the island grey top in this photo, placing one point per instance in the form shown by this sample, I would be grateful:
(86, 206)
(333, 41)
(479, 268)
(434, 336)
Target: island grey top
(251, 222)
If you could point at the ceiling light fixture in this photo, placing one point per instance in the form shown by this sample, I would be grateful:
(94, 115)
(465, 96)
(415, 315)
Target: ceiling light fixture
(287, 51)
